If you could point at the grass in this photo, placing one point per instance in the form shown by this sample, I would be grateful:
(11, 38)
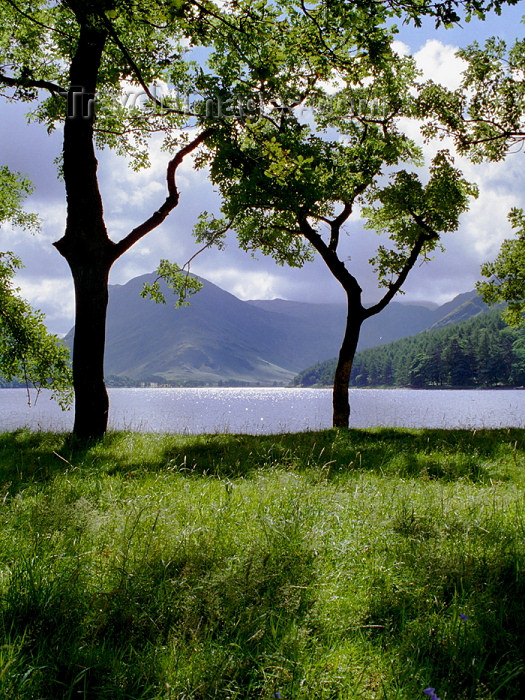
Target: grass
(337, 565)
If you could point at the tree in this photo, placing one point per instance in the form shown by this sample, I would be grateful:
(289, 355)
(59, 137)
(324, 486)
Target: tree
(28, 353)
(460, 368)
(289, 190)
(422, 370)
(81, 52)
(486, 118)
(506, 274)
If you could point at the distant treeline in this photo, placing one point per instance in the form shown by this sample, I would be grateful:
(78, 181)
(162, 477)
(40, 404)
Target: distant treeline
(153, 381)
(480, 352)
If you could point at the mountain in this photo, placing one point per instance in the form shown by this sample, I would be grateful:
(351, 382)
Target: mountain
(461, 308)
(219, 339)
(396, 321)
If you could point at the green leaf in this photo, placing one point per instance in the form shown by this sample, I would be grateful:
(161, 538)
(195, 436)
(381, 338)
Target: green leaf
(181, 282)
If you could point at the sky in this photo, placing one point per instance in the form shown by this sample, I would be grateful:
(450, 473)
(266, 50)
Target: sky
(131, 197)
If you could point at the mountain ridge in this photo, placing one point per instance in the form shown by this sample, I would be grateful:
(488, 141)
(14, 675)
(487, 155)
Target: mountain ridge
(221, 340)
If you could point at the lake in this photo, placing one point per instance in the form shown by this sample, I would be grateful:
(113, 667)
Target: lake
(274, 410)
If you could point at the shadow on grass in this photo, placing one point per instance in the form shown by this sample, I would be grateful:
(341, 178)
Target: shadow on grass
(455, 622)
(206, 625)
(214, 620)
(435, 454)
(36, 457)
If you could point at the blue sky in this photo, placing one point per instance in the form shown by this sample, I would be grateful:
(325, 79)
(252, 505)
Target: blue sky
(129, 197)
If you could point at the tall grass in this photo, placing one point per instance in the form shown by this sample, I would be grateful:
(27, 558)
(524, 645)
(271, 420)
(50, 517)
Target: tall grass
(360, 564)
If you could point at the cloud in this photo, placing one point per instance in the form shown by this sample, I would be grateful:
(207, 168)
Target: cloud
(54, 297)
(400, 48)
(251, 285)
(439, 63)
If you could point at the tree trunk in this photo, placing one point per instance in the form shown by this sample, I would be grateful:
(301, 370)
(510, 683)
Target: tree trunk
(91, 397)
(340, 401)
(90, 259)
(85, 244)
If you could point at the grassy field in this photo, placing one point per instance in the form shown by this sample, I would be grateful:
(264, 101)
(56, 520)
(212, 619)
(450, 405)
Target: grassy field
(339, 564)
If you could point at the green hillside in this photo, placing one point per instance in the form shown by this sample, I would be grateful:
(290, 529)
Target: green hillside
(480, 352)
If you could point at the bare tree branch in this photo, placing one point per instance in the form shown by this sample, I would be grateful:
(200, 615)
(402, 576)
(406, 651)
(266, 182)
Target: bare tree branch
(27, 82)
(393, 288)
(169, 203)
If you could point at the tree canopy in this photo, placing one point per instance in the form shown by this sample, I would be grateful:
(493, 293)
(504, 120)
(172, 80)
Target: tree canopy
(486, 118)
(506, 274)
(28, 353)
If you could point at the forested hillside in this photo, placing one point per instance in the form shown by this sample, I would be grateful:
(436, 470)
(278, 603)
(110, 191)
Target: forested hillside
(480, 352)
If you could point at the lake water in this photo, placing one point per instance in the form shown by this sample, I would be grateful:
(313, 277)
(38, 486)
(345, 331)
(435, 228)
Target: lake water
(274, 410)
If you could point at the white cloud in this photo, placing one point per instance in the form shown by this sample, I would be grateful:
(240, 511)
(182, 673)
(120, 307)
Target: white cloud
(245, 285)
(137, 194)
(400, 48)
(440, 63)
(334, 85)
(55, 297)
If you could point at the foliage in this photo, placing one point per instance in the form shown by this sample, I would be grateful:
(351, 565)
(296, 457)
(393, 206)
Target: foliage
(332, 564)
(13, 190)
(480, 352)
(36, 55)
(447, 12)
(324, 137)
(506, 275)
(486, 117)
(181, 282)
(277, 172)
(28, 353)
(406, 204)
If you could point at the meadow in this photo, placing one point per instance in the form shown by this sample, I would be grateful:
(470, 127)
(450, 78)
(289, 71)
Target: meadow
(373, 564)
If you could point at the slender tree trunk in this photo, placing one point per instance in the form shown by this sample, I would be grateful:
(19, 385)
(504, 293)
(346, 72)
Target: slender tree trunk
(340, 401)
(354, 317)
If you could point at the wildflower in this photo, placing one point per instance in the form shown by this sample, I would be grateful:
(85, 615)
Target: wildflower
(463, 617)
(277, 695)
(431, 692)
